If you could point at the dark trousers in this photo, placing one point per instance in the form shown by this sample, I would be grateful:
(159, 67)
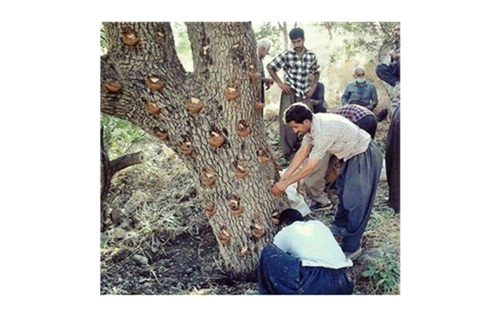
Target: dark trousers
(392, 161)
(280, 273)
(356, 189)
(369, 124)
(388, 73)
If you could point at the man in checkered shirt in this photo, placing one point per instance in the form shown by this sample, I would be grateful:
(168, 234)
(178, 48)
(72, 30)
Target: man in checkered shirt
(297, 64)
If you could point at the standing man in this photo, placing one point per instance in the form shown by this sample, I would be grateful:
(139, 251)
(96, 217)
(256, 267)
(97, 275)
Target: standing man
(297, 64)
(304, 258)
(389, 73)
(360, 91)
(326, 134)
(263, 46)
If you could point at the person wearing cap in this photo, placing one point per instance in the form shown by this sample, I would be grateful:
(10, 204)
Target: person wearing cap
(389, 73)
(325, 134)
(304, 258)
(298, 64)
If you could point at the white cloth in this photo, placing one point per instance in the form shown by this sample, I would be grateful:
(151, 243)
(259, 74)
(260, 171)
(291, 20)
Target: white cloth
(297, 200)
(313, 243)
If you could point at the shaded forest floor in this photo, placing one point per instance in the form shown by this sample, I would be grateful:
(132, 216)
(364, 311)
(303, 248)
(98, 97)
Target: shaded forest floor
(161, 242)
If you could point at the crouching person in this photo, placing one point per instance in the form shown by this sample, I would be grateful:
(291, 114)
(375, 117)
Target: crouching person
(304, 258)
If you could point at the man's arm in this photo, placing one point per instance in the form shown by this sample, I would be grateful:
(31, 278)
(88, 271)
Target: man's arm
(318, 97)
(345, 96)
(299, 157)
(314, 84)
(276, 79)
(374, 97)
(302, 173)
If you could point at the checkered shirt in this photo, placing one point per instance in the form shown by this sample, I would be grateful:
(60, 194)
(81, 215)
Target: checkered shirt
(353, 112)
(296, 69)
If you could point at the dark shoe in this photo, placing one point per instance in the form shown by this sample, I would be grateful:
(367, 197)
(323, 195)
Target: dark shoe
(316, 206)
(382, 114)
(354, 255)
(338, 230)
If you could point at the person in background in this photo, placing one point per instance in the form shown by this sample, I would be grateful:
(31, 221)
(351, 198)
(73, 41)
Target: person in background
(318, 99)
(356, 186)
(304, 258)
(263, 46)
(297, 63)
(389, 73)
(360, 116)
(360, 91)
(392, 154)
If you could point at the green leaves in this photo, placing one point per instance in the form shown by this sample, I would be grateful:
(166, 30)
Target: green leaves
(119, 135)
(384, 272)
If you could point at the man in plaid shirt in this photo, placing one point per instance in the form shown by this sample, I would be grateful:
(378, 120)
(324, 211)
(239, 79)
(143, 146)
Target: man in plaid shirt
(297, 64)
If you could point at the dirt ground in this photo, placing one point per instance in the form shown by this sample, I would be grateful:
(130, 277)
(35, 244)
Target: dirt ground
(145, 255)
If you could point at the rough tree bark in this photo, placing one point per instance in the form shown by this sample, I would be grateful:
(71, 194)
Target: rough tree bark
(210, 117)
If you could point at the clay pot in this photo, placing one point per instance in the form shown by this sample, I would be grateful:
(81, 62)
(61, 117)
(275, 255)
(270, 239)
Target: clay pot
(208, 179)
(253, 76)
(155, 83)
(153, 108)
(259, 105)
(161, 134)
(210, 210)
(195, 105)
(187, 148)
(231, 93)
(216, 140)
(243, 129)
(130, 39)
(112, 87)
(258, 231)
(224, 237)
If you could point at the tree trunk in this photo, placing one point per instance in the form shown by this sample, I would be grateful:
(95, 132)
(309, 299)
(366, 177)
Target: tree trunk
(208, 117)
(284, 31)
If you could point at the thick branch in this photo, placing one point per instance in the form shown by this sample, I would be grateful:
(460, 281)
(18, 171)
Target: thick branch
(125, 161)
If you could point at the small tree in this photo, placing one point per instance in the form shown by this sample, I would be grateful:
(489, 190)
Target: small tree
(210, 117)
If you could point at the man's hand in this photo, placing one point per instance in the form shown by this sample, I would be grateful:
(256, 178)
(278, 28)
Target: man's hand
(394, 54)
(310, 92)
(285, 88)
(279, 187)
(268, 82)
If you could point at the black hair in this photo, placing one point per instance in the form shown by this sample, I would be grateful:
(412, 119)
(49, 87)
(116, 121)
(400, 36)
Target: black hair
(296, 33)
(297, 112)
(288, 216)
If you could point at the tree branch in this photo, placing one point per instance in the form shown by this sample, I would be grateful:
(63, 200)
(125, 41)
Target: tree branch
(125, 161)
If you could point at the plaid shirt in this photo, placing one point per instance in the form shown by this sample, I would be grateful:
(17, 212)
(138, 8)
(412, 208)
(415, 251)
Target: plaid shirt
(337, 135)
(353, 112)
(296, 69)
